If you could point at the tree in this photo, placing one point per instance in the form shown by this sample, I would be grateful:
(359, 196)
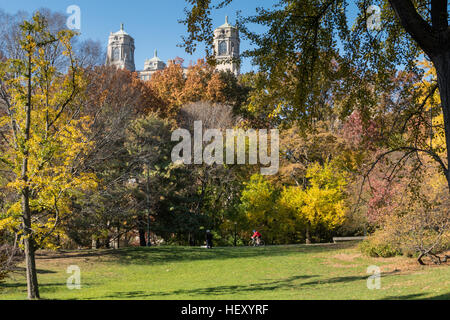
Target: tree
(258, 201)
(300, 149)
(301, 44)
(421, 225)
(46, 141)
(149, 144)
(217, 187)
(88, 53)
(168, 85)
(321, 203)
(176, 87)
(113, 98)
(203, 84)
(413, 217)
(434, 40)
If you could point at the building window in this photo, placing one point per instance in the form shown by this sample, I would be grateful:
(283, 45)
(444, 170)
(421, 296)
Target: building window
(115, 54)
(222, 48)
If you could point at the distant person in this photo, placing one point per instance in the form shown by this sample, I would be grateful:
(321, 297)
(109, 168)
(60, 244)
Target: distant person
(209, 239)
(257, 237)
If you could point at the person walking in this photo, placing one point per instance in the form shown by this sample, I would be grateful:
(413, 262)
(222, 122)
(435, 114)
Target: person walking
(209, 239)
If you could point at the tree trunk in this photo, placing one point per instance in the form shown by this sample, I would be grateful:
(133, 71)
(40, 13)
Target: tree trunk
(308, 235)
(142, 241)
(442, 64)
(32, 283)
(107, 242)
(419, 259)
(190, 241)
(434, 40)
(149, 243)
(118, 238)
(141, 230)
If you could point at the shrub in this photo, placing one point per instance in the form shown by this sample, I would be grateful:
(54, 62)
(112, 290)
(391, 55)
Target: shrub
(3, 270)
(380, 244)
(377, 249)
(9, 257)
(419, 223)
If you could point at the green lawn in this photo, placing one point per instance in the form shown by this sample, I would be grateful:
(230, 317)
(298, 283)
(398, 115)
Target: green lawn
(278, 272)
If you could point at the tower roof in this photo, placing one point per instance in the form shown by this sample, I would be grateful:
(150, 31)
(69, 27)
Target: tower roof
(226, 24)
(155, 58)
(121, 31)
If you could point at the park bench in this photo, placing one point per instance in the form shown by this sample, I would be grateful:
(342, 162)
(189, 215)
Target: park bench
(339, 239)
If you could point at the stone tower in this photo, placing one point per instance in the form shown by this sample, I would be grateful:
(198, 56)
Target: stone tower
(151, 66)
(121, 50)
(227, 48)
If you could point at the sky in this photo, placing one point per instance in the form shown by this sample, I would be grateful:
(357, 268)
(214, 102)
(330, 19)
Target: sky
(152, 23)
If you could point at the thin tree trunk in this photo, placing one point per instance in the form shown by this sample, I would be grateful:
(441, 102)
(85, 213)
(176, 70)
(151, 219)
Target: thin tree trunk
(419, 259)
(107, 242)
(141, 231)
(32, 283)
(149, 243)
(308, 234)
(118, 238)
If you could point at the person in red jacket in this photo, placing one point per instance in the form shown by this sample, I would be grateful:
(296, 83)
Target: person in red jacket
(257, 236)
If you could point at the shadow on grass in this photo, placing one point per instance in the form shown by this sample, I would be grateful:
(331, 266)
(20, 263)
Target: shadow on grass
(219, 290)
(63, 254)
(169, 254)
(39, 271)
(419, 296)
(42, 286)
(445, 296)
(177, 254)
(289, 283)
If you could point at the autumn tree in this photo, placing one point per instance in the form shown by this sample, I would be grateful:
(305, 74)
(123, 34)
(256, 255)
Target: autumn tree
(217, 186)
(419, 224)
(203, 84)
(176, 86)
(302, 43)
(406, 194)
(168, 85)
(322, 202)
(112, 98)
(45, 139)
(258, 205)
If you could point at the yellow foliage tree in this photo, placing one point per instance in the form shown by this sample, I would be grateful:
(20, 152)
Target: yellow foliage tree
(431, 99)
(321, 203)
(44, 140)
(258, 203)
